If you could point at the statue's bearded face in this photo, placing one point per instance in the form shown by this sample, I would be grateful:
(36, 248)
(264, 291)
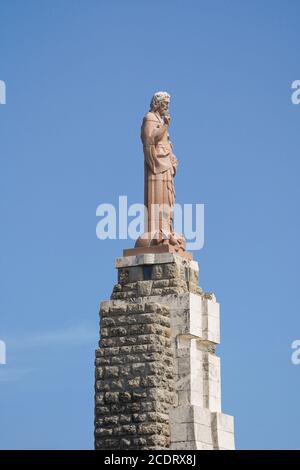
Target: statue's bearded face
(163, 107)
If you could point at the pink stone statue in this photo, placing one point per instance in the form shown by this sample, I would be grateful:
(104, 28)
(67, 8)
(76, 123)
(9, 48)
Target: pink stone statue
(160, 169)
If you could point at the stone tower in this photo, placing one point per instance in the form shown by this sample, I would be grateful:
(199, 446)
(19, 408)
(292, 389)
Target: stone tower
(157, 381)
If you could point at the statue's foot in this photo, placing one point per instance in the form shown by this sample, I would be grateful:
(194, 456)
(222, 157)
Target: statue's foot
(161, 237)
(149, 239)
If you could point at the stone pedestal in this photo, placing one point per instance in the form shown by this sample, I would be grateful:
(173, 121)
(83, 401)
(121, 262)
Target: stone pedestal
(158, 380)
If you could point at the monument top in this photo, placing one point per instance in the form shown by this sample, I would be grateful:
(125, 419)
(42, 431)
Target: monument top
(160, 166)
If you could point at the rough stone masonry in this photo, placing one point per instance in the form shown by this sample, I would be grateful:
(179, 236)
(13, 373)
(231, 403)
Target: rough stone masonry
(157, 380)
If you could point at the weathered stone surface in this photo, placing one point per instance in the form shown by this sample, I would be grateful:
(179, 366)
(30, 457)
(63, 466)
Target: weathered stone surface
(134, 377)
(144, 288)
(157, 378)
(172, 274)
(157, 271)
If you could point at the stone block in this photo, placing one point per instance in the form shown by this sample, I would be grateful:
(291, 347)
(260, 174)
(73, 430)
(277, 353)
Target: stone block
(144, 288)
(223, 422)
(180, 432)
(224, 440)
(157, 272)
(201, 433)
(212, 402)
(136, 274)
(211, 320)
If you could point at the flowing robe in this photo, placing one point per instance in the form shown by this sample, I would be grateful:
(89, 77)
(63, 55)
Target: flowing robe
(160, 169)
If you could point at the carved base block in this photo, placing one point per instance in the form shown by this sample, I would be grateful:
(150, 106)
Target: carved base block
(157, 249)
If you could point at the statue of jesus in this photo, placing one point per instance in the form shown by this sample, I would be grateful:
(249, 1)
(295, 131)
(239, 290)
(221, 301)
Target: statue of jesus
(160, 169)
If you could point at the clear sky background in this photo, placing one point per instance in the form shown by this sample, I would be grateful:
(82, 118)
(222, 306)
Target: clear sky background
(79, 77)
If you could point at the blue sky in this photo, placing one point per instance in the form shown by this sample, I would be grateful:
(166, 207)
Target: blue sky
(79, 77)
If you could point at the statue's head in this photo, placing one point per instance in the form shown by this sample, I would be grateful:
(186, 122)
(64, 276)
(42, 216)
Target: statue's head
(160, 102)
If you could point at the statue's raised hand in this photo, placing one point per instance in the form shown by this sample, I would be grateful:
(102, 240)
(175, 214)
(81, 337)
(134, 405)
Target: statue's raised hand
(167, 119)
